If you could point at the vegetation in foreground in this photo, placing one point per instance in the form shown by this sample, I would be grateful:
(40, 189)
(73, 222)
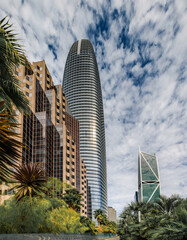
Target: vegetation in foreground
(165, 219)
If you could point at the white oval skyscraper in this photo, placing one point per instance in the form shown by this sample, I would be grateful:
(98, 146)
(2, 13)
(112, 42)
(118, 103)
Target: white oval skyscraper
(81, 85)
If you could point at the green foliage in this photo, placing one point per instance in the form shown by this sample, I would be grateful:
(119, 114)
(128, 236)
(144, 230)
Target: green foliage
(30, 180)
(64, 220)
(39, 215)
(166, 219)
(56, 187)
(9, 146)
(11, 56)
(73, 198)
(105, 226)
(89, 224)
(100, 216)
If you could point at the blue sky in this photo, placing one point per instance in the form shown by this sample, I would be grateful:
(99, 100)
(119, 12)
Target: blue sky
(141, 50)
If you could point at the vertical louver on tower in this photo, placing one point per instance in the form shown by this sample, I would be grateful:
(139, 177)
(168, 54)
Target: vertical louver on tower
(82, 88)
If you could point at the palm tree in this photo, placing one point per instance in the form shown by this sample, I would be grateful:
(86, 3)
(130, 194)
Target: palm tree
(73, 198)
(11, 56)
(100, 216)
(9, 146)
(30, 180)
(168, 205)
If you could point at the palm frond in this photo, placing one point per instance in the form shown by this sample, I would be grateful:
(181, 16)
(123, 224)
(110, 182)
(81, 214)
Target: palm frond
(12, 55)
(10, 146)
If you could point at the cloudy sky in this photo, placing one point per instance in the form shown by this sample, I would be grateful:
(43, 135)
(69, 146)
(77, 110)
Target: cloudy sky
(141, 49)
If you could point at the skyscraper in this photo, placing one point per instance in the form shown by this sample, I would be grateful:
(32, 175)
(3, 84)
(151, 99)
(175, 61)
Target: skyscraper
(81, 85)
(50, 132)
(148, 177)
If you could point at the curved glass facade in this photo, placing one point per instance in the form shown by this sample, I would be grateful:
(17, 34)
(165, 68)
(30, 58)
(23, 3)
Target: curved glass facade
(81, 85)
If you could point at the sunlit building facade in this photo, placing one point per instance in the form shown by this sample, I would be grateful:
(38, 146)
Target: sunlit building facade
(81, 85)
(148, 177)
(50, 132)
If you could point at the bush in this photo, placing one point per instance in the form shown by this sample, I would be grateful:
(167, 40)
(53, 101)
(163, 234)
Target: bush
(38, 215)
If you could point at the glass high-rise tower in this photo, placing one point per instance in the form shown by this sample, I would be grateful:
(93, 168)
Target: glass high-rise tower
(82, 88)
(148, 177)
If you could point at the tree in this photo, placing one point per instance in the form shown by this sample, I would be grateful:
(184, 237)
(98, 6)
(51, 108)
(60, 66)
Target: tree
(30, 180)
(9, 146)
(64, 220)
(56, 187)
(73, 198)
(89, 224)
(168, 205)
(34, 216)
(168, 221)
(11, 56)
(100, 216)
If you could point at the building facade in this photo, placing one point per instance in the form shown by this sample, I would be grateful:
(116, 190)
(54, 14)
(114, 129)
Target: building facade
(148, 177)
(49, 131)
(112, 216)
(81, 85)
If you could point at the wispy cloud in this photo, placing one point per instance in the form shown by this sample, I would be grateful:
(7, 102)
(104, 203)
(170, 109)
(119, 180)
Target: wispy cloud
(141, 52)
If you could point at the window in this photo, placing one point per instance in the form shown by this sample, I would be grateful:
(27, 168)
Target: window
(23, 88)
(73, 184)
(19, 74)
(40, 82)
(67, 178)
(40, 68)
(30, 79)
(27, 94)
(30, 87)
(6, 192)
(48, 75)
(27, 85)
(24, 80)
(30, 94)
(16, 73)
(67, 148)
(63, 106)
(38, 74)
(27, 78)
(0, 192)
(67, 155)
